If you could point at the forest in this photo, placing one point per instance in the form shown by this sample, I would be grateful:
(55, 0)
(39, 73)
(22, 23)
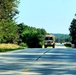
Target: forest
(62, 38)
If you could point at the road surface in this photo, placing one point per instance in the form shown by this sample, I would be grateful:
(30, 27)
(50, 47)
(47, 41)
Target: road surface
(38, 61)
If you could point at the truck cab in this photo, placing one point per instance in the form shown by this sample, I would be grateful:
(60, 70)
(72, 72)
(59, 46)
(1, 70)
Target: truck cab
(49, 40)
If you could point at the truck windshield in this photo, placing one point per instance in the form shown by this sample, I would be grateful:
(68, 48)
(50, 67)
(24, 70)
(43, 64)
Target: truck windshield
(48, 38)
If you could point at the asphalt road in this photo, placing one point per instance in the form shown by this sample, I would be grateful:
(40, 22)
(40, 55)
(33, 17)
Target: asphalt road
(38, 61)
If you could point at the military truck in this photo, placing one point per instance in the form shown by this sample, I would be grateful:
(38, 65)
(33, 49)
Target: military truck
(49, 40)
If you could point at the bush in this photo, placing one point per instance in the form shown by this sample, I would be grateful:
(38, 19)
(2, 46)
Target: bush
(68, 45)
(23, 44)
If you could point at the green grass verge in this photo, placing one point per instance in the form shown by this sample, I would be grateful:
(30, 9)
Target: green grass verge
(5, 50)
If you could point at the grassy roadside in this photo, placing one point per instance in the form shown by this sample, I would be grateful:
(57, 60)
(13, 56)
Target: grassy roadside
(9, 47)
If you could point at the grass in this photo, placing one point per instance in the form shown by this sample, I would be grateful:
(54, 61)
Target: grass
(9, 47)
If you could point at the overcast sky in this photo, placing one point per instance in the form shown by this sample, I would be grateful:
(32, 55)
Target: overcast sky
(54, 16)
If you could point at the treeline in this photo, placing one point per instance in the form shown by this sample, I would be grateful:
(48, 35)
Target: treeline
(61, 38)
(22, 34)
(11, 32)
(31, 36)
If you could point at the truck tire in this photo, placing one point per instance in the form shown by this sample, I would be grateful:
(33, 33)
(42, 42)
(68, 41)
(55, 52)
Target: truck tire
(54, 46)
(45, 46)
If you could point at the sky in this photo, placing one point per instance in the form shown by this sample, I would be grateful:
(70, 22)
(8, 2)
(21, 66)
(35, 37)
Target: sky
(55, 16)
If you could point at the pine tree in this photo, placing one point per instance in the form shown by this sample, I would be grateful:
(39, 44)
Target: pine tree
(8, 27)
(72, 30)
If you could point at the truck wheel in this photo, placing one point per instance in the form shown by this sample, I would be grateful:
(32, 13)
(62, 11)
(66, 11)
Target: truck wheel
(53, 46)
(45, 46)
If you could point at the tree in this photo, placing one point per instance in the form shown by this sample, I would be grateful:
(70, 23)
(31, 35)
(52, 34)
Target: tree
(8, 9)
(8, 32)
(72, 30)
(61, 38)
(8, 26)
(32, 36)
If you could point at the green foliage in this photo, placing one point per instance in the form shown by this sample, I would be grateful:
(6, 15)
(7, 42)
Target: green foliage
(22, 34)
(32, 36)
(72, 30)
(61, 38)
(8, 9)
(8, 27)
(68, 45)
(8, 32)
(23, 44)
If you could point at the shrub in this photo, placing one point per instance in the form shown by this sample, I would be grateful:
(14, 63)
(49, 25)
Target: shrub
(68, 45)
(23, 44)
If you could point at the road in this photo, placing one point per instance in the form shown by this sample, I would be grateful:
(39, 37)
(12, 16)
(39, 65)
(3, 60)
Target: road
(38, 61)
